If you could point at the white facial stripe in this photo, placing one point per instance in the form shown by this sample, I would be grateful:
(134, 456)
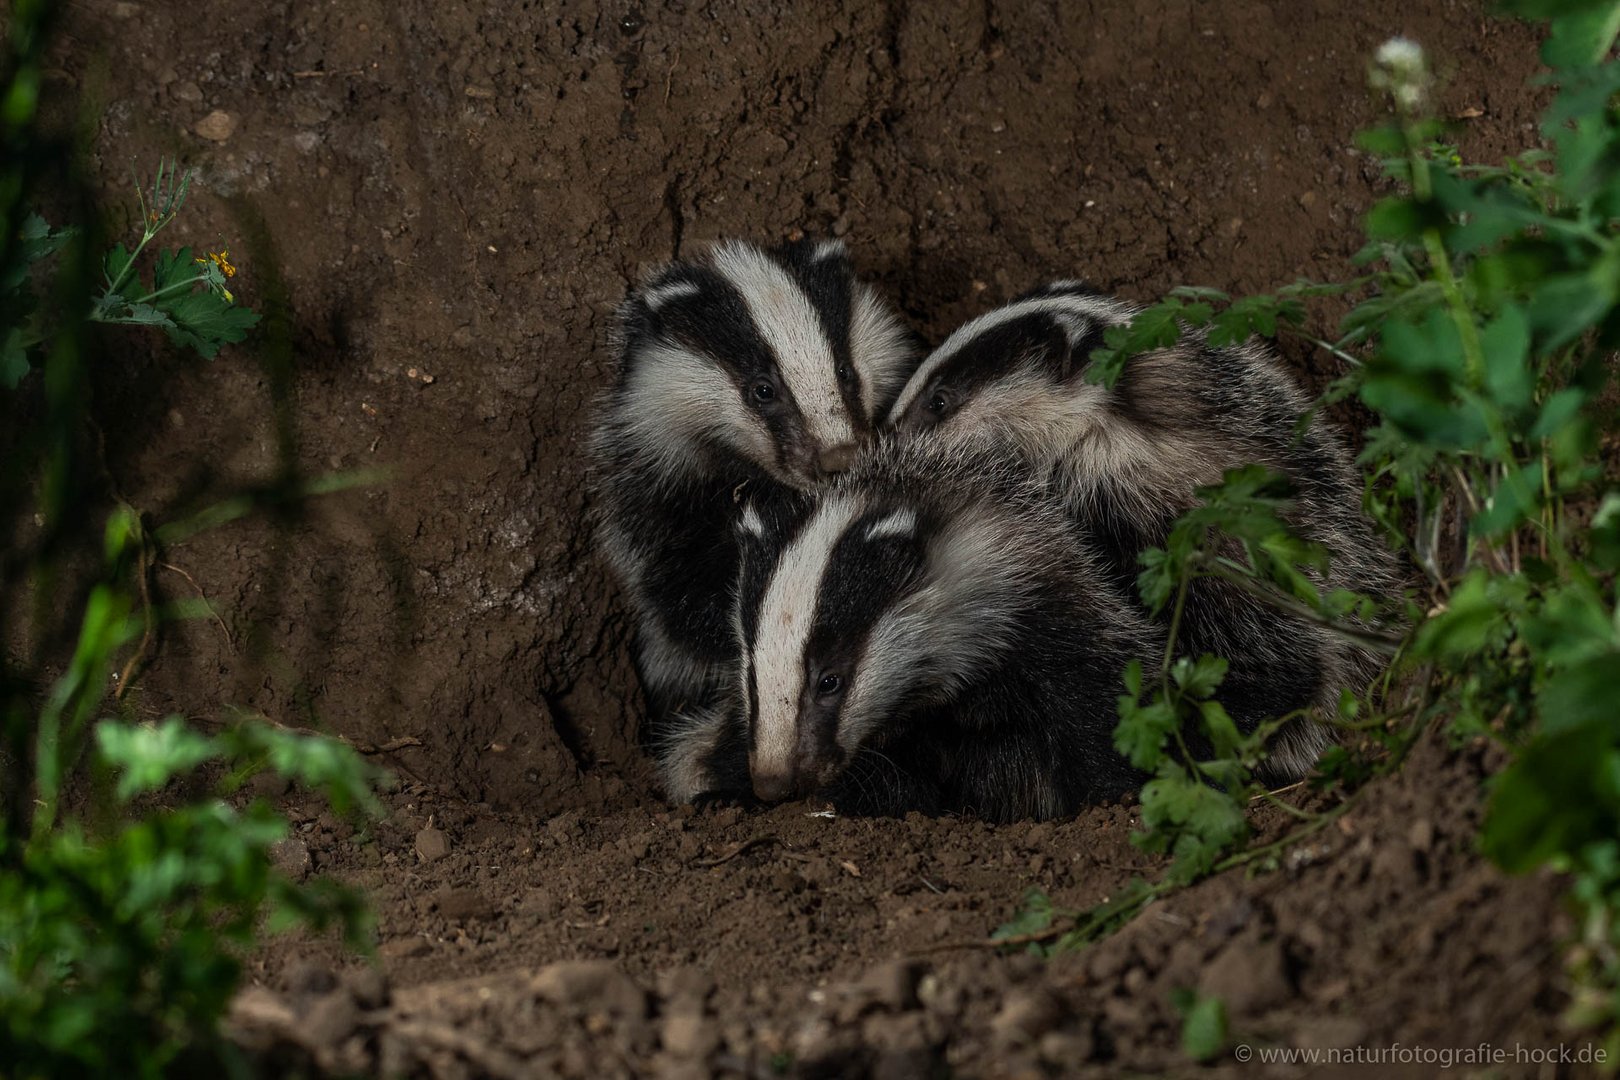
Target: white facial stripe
(750, 523)
(1092, 308)
(660, 295)
(878, 347)
(789, 323)
(899, 523)
(786, 615)
(676, 397)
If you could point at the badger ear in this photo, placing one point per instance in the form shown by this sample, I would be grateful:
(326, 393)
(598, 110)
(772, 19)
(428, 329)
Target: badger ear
(830, 248)
(749, 523)
(1074, 339)
(664, 290)
(900, 524)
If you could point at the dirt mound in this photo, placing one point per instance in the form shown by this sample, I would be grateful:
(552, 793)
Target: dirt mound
(724, 943)
(442, 203)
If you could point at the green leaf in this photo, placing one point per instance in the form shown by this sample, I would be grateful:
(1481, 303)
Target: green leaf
(1156, 327)
(1386, 141)
(1199, 292)
(36, 241)
(150, 757)
(1133, 669)
(333, 768)
(1204, 1028)
(1415, 381)
(1558, 412)
(1605, 534)
(1156, 580)
(1142, 730)
(1199, 678)
(1475, 615)
(172, 268)
(1511, 502)
(146, 315)
(1223, 733)
(1395, 218)
(13, 361)
(1584, 694)
(1566, 306)
(205, 321)
(1562, 793)
(116, 262)
(1200, 821)
(1036, 917)
(1506, 344)
(1583, 37)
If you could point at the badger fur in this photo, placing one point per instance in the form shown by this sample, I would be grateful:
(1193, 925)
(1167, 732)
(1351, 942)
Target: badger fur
(740, 370)
(928, 632)
(1125, 462)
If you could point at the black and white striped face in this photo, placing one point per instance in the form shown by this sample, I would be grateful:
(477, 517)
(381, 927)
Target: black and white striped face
(779, 356)
(1003, 367)
(854, 612)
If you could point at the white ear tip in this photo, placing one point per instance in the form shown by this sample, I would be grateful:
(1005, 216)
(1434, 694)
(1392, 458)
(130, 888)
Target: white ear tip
(901, 523)
(829, 249)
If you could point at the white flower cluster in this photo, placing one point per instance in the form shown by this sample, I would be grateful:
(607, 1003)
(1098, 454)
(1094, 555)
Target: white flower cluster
(1399, 68)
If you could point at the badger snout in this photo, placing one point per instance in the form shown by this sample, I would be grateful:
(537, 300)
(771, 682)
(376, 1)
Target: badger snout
(831, 460)
(798, 779)
(774, 786)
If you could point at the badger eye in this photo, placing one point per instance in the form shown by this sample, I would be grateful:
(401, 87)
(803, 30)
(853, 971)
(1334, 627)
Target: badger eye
(764, 391)
(846, 374)
(938, 403)
(829, 684)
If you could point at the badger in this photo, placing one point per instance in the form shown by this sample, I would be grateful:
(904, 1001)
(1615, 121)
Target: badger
(739, 371)
(1125, 463)
(929, 632)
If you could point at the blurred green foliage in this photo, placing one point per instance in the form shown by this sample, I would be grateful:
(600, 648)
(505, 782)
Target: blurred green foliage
(126, 897)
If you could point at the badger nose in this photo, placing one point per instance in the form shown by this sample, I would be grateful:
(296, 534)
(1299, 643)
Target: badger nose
(772, 786)
(835, 459)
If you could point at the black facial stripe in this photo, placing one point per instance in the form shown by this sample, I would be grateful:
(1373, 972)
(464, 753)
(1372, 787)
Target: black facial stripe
(830, 287)
(1036, 339)
(863, 578)
(714, 321)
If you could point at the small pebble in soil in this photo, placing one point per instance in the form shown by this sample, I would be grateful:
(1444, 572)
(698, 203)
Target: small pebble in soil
(1026, 1015)
(1249, 976)
(291, 856)
(217, 126)
(432, 844)
(690, 1034)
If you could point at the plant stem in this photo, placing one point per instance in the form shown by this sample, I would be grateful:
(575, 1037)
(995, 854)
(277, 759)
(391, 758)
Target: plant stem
(147, 232)
(1238, 575)
(1175, 625)
(149, 297)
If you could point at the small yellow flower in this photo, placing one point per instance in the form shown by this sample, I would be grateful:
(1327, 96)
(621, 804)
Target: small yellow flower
(219, 259)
